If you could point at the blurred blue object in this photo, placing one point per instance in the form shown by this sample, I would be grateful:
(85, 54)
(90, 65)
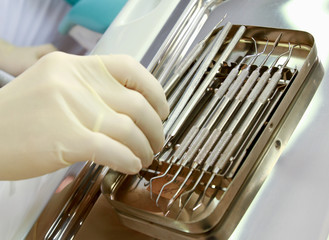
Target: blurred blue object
(95, 15)
(72, 2)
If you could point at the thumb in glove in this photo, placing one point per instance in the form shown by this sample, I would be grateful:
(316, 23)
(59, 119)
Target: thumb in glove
(15, 60)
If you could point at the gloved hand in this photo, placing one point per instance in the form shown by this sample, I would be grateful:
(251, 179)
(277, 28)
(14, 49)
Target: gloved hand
(15, 60)
(68, 108)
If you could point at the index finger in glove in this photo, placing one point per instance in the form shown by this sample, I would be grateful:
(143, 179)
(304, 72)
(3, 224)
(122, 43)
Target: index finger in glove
(134, 76)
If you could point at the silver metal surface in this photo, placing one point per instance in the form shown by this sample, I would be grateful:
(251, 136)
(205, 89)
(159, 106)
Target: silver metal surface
(225, 194)
(280, 14)
(293, 202)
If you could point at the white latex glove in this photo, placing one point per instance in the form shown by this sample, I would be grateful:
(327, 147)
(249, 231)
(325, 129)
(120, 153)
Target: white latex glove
(68, 108)
(15, 60)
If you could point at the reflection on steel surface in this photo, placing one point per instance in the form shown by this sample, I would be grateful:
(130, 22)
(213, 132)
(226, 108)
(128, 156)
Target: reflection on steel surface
(221, 128)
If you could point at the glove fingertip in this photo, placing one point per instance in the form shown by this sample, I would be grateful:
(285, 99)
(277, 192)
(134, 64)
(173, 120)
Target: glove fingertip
(164, 112)
(115, 155)
(131, 168)
(45, 49)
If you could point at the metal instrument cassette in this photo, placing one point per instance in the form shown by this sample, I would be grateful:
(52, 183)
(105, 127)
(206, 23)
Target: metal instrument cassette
(235, 99)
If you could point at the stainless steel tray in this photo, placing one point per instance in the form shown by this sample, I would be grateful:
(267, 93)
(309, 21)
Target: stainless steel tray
(231, 191)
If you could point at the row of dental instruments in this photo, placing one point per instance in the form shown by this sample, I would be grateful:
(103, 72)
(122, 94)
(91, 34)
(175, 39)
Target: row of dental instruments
(220, 155)
(181, 38)
(213, 140)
